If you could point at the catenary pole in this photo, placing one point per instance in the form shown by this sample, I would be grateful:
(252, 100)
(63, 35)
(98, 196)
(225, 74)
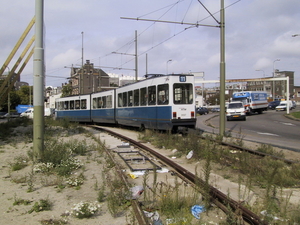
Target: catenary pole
(136, 58)
(222, 70)
(38, 83)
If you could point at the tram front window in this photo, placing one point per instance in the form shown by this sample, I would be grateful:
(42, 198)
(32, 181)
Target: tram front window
(183, 94)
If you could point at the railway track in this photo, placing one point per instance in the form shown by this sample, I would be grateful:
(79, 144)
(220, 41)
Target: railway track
(221, 200)
(253, 152)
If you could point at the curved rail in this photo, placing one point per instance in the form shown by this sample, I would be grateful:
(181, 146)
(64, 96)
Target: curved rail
(253, 152)
(218, 198)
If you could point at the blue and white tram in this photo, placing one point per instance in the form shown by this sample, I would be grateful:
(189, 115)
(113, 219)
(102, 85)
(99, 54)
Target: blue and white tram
(74, 108)
(163, 102)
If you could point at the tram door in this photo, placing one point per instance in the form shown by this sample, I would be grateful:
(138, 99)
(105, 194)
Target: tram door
(152, 109)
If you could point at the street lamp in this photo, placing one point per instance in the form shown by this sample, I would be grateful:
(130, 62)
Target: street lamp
(167, 64)
(273, 89)
(295, 35)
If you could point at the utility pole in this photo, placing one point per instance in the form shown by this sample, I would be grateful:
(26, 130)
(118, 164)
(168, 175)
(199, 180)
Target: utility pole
(81, 74)
(222, 70)
(38, 83)
(146, 63)
(136, 58)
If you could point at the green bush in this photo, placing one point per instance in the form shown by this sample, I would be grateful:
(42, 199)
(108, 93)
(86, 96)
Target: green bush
(42, 205)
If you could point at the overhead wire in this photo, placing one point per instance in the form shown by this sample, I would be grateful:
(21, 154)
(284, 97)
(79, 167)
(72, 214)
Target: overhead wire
(176, 34)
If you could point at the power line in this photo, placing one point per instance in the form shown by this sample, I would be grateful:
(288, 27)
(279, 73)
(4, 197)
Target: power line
(169, 7)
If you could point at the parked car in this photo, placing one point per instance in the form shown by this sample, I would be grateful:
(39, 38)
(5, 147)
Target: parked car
(28, 113)
(202, 111)
(2, 115)
(12, 115)
(294, 104)
(235, 110)
(282, 106)
(273, 104)
(215, 109)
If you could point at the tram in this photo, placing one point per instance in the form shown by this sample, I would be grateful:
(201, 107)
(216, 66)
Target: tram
(161, 102)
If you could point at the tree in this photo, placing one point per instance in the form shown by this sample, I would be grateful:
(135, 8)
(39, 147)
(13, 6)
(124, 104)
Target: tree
(215, 99)
(26, 95)
(14, 101)
(66, 90)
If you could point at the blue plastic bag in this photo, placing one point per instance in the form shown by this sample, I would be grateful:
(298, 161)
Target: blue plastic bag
(196, 210)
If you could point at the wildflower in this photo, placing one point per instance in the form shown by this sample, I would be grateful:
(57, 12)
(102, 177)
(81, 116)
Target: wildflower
(85, 209)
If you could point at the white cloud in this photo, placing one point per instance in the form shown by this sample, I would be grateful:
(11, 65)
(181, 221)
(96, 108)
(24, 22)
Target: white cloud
(257, 33)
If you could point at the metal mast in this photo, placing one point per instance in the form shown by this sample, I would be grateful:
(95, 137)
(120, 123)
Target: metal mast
(222, 70)
(38, 83)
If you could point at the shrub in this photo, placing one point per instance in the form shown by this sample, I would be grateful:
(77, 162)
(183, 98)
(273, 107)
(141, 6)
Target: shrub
(85, 209)
(42, 205)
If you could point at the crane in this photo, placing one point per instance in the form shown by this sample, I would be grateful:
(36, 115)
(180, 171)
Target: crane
(12, 77)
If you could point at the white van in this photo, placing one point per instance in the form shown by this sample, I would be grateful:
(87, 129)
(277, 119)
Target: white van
(28, 113)
(282, 106)
(235, 110)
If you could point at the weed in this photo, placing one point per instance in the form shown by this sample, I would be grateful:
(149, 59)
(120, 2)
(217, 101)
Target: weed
(54, 222)
(30, 181)
(175, 203)
(19, 201)
(116, 198)
(75, 181)
(85, 209)
(101, 194)
(207, 170)
(19, 163)
(42, 205)
(59, 157)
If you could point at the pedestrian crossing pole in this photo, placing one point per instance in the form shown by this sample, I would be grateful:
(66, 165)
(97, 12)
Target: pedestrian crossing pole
(38, 83)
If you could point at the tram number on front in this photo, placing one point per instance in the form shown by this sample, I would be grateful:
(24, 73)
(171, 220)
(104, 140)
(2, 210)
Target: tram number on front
(182, 78)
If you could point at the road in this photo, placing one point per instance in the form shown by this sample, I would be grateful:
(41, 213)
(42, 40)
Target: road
(271, 127)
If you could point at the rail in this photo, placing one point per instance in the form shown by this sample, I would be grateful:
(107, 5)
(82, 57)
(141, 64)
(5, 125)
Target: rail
(218, 198)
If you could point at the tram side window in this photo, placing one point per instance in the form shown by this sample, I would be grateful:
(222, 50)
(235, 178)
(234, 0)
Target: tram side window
(77, 104)
(94, 103)
(125, 99)
(163, 94)
(61, 105)
(109, 101)
(66, 105)
(152, 95)
(143, 96)
(130, 98)
(120, 100)
(183, 94)
(72, 104)
(136, 97)
(104, 101)
(83, 104)
(99, 102)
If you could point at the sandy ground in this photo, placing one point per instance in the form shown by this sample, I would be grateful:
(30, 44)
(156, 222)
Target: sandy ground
(15, 185)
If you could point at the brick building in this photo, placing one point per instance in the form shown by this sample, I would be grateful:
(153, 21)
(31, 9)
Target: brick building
(88, 79)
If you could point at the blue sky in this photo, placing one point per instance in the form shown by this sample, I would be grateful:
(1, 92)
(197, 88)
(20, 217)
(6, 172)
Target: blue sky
(257, 33)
